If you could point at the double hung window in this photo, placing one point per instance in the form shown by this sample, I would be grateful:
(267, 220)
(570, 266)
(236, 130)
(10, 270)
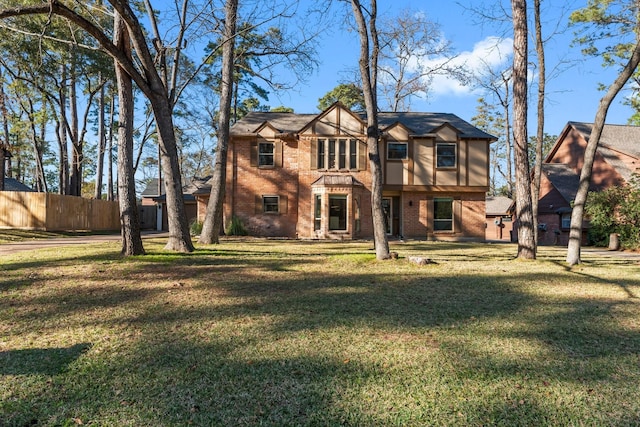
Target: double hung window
(442, 214)
(446, 155)
(266, 152)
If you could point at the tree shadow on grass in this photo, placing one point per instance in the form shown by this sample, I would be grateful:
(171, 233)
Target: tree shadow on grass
(45, 361)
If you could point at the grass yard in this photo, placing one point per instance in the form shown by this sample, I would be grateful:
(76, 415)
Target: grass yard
(257, 332)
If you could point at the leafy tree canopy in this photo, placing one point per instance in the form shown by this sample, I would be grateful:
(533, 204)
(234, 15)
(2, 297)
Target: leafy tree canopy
(349, 94)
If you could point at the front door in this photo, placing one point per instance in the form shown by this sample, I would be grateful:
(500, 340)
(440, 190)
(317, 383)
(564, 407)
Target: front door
(387, 208)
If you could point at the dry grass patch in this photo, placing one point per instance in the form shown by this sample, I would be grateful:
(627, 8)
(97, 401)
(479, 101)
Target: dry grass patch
(306, 333)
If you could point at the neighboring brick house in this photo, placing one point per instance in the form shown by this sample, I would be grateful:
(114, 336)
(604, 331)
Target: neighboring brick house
(307, 175)
(617, 159)
(153, 204)
(500, 215)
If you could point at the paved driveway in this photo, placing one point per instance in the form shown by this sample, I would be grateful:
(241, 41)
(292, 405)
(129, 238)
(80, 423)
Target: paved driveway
(10, 248)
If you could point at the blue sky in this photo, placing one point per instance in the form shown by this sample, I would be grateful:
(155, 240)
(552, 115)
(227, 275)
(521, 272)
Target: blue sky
(573, 95)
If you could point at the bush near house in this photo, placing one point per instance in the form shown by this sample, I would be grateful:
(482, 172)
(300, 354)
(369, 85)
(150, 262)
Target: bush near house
(615, 210)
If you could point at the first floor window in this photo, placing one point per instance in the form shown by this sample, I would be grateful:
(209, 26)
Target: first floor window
(317, 212)
(566, 220)
(270, 204)
(265, 154)
(397, 150)
(338, 212)
(443, 214)
(446, 155)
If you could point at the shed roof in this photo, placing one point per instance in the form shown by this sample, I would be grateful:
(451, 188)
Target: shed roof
(336, 180)
(499, 205)
(12, 184)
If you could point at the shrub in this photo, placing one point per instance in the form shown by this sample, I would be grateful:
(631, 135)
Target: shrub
(195, 228)
(615, 210)
(236, 227)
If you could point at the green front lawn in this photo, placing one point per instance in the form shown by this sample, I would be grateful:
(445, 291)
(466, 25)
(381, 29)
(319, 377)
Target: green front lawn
(257, 332)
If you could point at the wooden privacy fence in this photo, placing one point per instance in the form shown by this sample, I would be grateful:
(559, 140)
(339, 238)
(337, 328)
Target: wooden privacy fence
(53, 212)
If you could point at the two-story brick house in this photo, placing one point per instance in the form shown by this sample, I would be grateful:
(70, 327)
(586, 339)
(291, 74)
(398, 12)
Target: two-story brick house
(307, 175)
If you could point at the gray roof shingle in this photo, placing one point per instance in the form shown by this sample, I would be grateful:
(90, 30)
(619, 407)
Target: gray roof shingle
(563, 178)
(499, 205)
(11, 184)
(418, 123)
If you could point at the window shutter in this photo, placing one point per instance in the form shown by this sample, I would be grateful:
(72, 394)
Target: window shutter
(283, 204)
(254, 154)
(362, 156)
(277, 154)
(314, 154)
(259, 208)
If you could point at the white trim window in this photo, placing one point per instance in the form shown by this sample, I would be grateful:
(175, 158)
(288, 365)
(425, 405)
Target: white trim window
(338, 212)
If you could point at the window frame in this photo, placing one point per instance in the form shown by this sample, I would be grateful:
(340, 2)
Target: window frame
(437, 220)
(441, 156)
(341, 197)
(317, 212)
(566, 216)
(262, 155)
(404, 144)
(337, 154)
(266, 204)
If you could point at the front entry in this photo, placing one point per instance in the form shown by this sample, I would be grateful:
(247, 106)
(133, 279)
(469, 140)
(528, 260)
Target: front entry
(391, 208)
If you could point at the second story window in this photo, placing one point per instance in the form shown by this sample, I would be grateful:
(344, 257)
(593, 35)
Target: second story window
(397, 150)
(446, 155)
(337, 154)
(266, 154)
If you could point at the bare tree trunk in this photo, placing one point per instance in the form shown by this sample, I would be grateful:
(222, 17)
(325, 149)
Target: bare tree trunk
(76, 143)
(213, 219)
(526, 235)
(542, 80)
(131, 238)
(101, 144)
(508, 142)
(110, 195)
(62, 134)
(368, 71)
(4, 145)
(577, 215)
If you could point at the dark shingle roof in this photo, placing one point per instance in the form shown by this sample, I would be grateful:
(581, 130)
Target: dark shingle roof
(284, 122)
(418, 123)
(426, 123)
(11, 184)
(563, 178)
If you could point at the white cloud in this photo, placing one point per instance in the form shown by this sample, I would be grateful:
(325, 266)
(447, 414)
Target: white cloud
(492, 52)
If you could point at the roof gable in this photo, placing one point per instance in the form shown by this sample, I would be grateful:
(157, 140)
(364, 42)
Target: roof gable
(337, 119)
(619, 145)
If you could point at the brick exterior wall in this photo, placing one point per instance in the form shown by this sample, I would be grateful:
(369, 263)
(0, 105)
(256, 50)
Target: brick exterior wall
(295, 181)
